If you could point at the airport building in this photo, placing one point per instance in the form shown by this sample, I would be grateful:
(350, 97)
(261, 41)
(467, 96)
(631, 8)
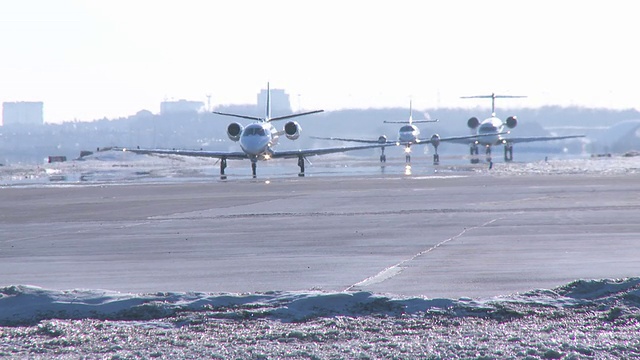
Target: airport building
(279, 101)
(180, 106)
(22, 113)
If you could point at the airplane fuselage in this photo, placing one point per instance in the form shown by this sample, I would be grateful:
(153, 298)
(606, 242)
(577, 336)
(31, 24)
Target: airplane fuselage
(408, 134)
(257, 139)
(491, 130)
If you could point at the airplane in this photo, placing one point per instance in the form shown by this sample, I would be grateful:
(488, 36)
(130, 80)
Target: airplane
(491, 130)
(257, 141)
(407, 135)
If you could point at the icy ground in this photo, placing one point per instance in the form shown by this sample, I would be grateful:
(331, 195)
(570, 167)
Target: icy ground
(118, 166)
(584, 319)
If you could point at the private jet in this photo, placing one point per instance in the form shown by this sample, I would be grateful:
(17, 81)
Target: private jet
(408, 135)
(491, 131)
(257, 141)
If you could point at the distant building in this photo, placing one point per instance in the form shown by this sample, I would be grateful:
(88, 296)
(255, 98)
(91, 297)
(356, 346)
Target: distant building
(279, 101)
(22, 113)
(180, 106)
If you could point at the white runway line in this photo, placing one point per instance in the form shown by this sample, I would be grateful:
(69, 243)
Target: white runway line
(397, 269)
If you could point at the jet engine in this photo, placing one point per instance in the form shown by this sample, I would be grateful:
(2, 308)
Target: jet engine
(435, 140)
(234, 130)
(473, 122)
(512, 121)
(292, 130)
(382, 139)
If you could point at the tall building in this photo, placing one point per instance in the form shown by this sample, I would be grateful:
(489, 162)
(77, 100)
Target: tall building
(180, 106)
(279, 101)
(22, 113)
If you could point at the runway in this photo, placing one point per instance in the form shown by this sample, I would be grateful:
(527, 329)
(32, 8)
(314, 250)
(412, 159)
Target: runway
(454, 235)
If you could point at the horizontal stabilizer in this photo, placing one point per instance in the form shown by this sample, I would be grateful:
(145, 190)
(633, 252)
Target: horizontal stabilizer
(492, 96)
(239, 116)
(295, 115)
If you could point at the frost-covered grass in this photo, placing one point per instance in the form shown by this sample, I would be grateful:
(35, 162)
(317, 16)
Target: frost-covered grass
(547, 333)
(584, 319)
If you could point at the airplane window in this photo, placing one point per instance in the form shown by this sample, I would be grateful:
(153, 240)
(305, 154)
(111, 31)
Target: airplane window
(249, 131)
(406, 128)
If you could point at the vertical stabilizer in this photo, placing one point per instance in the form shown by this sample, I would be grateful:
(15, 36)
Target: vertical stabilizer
(410, 112)
(493, 104)
(268, 114)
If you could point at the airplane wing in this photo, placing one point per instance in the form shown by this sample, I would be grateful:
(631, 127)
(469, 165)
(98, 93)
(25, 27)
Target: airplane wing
(466, 139)
(366, 141)
(540, 138)
(320, 151)
(241, 155)
(198, 153)
(455, 139)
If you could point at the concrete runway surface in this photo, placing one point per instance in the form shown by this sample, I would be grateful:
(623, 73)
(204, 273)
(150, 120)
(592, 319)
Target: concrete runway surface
(474, 235)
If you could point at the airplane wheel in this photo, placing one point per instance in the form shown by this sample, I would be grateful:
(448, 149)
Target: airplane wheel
(383, 158)
(473, 150)
(436, 159)
(508, 153)
(223, 165)
(301, 165)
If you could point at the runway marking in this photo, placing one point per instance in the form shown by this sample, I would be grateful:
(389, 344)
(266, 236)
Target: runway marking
(99, 227)
(397, 269)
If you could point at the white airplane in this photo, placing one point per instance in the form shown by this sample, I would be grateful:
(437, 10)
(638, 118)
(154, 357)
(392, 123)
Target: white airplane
(407, 135)
(257, 141)
(491, 131)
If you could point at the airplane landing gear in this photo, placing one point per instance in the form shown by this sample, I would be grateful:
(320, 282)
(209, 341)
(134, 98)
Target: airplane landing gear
(436, 157)
(488, 153)
(253, 168)
(473, 151)
(407, 151)
(383, 157)
(223, 165)
(508, 152)
(301, 165)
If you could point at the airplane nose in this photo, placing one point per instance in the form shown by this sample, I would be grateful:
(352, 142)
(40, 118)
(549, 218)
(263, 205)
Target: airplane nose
(253, 145)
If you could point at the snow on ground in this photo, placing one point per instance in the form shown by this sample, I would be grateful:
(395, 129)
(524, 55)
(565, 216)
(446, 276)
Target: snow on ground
(601, 165)
(23, 304)
(583, 319)
(118, 166)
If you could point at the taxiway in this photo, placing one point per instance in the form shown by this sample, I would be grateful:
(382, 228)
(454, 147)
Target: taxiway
(469, 235)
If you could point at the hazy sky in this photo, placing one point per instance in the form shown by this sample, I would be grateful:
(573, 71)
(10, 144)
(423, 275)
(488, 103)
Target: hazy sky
(92, 59)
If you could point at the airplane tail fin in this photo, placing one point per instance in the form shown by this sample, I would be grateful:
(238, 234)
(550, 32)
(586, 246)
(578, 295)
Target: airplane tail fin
(410, 121)
(267, 117)
(268, 114)
(493, 98)
(410, 112)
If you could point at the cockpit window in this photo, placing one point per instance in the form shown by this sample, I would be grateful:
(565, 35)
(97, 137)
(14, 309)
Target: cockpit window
(254, 131)
(406, 128)
(488, 128)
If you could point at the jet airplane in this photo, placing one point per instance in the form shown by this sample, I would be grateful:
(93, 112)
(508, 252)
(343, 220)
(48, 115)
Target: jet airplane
(408, 135)
(257, 141)
(490, 132)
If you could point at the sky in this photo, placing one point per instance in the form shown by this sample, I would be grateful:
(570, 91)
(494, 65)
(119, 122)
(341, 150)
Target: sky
(89, 60)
